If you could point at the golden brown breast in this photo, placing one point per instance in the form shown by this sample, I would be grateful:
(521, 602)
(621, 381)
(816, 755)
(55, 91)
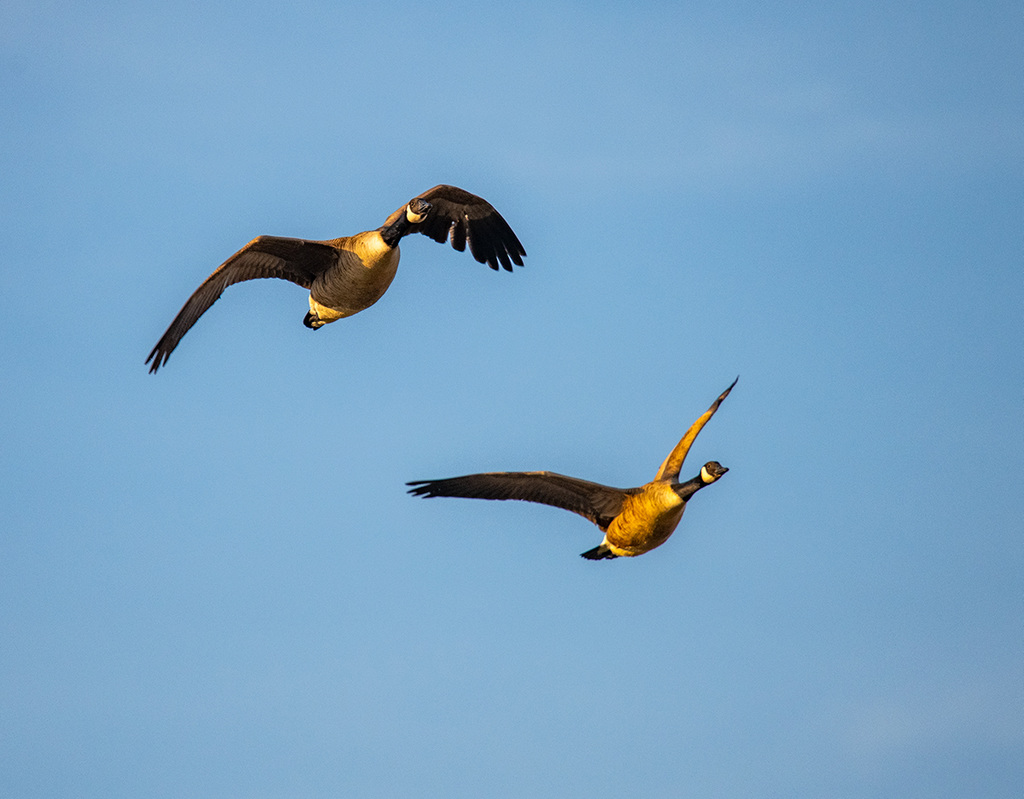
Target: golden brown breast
(366, 266)
(646, 521)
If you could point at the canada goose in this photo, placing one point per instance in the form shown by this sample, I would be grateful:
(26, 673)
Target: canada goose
(347, 275)
(634, 520)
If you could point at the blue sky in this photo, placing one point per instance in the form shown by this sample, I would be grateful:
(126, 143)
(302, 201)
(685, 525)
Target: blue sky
(212, 583)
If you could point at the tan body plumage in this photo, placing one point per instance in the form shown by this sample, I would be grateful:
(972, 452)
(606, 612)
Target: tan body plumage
(349, 274)
(634, 520)
(363, 272)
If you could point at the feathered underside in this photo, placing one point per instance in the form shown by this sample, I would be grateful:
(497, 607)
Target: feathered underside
(464, 218)
(598, 503)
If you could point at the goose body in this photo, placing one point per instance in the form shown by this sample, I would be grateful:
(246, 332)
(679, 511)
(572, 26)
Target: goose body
(634, 520)
(349, 274)
(364, 270)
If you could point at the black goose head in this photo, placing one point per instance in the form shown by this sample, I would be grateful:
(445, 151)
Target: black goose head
(416, 211)
(711, 471)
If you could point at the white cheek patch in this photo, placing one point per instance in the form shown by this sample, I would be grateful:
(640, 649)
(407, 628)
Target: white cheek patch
(413, 218)
(706, 476)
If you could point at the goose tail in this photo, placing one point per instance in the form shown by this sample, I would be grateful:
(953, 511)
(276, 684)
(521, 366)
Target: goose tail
(601, 552)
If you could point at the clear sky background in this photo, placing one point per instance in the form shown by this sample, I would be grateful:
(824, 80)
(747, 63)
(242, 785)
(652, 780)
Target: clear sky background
(212, 581)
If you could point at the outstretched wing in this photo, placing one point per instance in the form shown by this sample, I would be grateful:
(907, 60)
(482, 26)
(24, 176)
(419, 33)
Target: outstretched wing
(464, 217)
(594, 501)
(674, 462)
(296, 260)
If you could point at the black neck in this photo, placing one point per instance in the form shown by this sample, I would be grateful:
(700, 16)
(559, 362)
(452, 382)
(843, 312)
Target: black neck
(689, 488)
(393, 233)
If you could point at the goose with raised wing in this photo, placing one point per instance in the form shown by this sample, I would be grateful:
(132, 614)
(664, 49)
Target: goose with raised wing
(634, 520)
(347, 275)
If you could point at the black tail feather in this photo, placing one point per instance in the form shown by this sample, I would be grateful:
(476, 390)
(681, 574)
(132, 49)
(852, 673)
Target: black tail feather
(600, 552)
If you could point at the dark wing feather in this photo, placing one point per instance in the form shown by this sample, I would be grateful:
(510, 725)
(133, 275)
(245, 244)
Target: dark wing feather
(297, 260)
(463, 217)
(594, 501)
(674, 462)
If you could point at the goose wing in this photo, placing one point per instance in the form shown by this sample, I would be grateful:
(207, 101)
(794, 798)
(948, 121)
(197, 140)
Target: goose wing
(594, 501)
(297, 260)
(674, 462)
(465, 218)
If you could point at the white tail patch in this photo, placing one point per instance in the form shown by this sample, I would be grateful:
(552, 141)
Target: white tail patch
(324, 315)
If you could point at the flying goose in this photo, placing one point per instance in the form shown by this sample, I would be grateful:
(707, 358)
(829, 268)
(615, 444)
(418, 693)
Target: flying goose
(347, 275)
(634, 520)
